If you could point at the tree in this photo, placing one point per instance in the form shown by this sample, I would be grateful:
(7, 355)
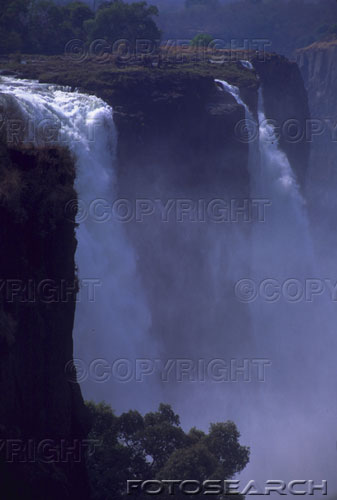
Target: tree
(45, 20)
(114, 460)
(13, 25)
(122, 21)
(202, 40)
(45, 27)
(223, 443)
(52, 26)
(76, 14)
(154, 446)
(333, 29)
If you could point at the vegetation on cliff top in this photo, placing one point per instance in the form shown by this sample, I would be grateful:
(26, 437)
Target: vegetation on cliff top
(321, 45)
(121, 84)
(45, 27)
(283, 25)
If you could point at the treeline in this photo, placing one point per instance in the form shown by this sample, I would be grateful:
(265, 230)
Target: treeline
(43, 27)
(287, 24)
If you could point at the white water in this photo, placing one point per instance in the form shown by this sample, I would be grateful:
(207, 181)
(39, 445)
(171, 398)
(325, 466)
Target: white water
(292, 428)
(247, 64)
(113, 322)
(233, 90)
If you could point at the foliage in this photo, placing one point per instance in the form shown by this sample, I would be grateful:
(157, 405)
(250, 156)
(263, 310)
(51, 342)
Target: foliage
(43, 27)
(333, 29)
(122, 21)
(155, 446)
(13, 24)
(202, 40)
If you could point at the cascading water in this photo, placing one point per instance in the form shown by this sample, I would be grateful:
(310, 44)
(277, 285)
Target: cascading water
(111, 314)
(292, 422)
(247, 64)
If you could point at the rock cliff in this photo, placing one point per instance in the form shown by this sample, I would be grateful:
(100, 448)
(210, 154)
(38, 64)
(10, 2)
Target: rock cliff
(318, 64)
(43, 423)
(286, 103)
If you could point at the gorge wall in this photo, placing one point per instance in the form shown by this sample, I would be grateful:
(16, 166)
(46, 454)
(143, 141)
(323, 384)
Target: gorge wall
(286, 102)
(42, 417)
(318, 65)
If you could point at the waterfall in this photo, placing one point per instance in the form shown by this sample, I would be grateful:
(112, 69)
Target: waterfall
(289, 419)
(112, 317)
(234, 91)
(292, 421)
(247, 64)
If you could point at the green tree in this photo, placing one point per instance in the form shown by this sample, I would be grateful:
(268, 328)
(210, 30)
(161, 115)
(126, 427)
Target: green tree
(114, 458)
(52, 26)
(13, 25)
(45, 21)
(223, 443)
(333, 29)
(76, 14)
(202, 40)
(122, 21)
(154, 446)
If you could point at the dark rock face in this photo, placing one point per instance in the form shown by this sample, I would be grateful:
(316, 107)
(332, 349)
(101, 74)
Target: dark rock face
(179, 140)
(318, 64)
(38, 400)
(184, 130)
(187, 124)
(286, 103)
(183, 149)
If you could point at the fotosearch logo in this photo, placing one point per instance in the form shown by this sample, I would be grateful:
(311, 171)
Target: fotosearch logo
(290, 290)
(168, 370)
(227, 487)
(217, 210)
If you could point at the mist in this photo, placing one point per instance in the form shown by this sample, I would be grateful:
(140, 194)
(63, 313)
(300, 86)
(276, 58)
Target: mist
(188, 309)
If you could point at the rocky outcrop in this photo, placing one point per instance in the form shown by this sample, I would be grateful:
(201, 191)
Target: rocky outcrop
(286, 103)
(318, 65)
(183, 130)
(173, 117)
(176, 117)
(43, 423)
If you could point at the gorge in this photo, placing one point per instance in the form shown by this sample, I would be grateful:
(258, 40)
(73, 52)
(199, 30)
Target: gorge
(166, 289)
